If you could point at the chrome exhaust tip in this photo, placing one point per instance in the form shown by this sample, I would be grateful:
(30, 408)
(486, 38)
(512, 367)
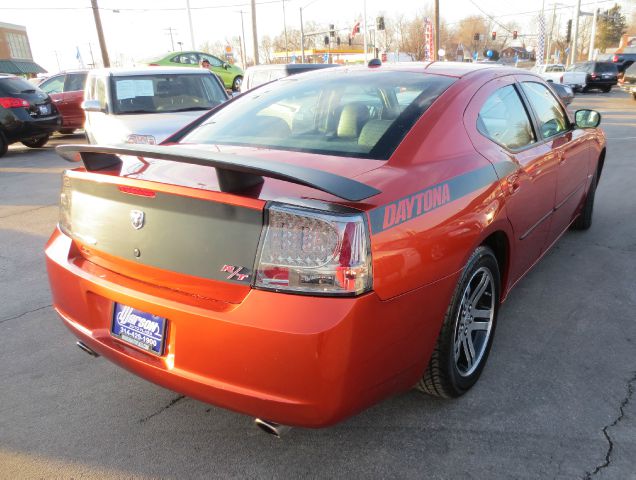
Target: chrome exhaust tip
(87, 349)
(272, 428)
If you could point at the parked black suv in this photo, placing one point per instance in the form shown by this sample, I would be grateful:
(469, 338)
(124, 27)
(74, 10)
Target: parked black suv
(602, 75)
(27, 114)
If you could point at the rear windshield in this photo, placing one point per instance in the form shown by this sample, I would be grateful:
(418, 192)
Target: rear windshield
(349, 113)
(15, 85)
(162, 93)
(606, 68)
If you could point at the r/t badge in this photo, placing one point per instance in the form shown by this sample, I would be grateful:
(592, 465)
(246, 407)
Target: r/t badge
(235, 272)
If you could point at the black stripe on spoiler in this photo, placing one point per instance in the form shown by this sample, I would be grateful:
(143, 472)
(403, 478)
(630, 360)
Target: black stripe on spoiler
(235, 173)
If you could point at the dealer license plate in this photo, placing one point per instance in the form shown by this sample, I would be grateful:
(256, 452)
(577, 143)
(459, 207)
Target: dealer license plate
(44, 109)
(141, 329)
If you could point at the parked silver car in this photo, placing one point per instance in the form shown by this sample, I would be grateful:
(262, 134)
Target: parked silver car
(146, 105)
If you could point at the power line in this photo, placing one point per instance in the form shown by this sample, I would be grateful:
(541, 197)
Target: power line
(147, 9)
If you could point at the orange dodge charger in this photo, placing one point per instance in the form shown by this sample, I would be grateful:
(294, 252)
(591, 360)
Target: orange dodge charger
(327, 240)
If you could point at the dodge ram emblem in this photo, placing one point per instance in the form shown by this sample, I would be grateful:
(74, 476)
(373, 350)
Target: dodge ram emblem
(137, 219)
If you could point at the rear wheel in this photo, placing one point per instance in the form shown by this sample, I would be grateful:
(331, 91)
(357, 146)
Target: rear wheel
(606, 89)
(36, 142)
(584, 220)
(468, 329)
(67, 131)
(236, 84)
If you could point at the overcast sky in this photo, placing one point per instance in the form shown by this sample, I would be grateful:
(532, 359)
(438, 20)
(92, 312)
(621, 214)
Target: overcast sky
(139, 29)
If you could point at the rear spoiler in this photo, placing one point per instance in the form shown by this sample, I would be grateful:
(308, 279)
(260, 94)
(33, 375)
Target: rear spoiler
(235, 172)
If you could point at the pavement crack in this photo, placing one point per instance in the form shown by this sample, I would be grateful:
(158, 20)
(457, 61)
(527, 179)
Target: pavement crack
(166, 407)
(3, 320)
(22, 212)
(610, 443)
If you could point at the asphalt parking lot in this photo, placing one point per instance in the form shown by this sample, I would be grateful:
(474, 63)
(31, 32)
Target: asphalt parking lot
(556, 400)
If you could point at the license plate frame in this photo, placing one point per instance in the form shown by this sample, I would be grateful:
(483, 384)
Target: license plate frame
(138, 328)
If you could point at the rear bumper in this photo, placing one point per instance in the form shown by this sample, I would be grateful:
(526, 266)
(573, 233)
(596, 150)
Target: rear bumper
(295, 360)
(18, 128)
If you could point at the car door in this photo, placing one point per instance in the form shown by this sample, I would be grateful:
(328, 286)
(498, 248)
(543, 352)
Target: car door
(570, 147)
(501, 129)
(54, 86)
(73, 97)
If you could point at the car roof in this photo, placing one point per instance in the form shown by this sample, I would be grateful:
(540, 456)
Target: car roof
(123, 72)
(290, 67)
(451, 69)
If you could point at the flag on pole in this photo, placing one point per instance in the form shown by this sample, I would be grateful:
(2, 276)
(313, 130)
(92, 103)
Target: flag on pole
(78, 55)
(428, 40)
(541, 42)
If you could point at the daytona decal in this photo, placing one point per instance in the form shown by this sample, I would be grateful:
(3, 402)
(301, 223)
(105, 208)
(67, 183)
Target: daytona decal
(424, 201)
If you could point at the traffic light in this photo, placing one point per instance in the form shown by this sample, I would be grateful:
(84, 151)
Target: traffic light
(514, 35)
(476, 37)
(332, 30)
(568, 35)
(379, 23)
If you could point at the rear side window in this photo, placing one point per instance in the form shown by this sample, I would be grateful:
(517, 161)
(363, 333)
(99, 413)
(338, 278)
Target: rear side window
(552, 118)
(74, 82)
(504, 119)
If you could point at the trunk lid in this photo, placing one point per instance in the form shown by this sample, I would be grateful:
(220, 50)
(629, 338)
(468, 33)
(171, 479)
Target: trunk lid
(168, 223)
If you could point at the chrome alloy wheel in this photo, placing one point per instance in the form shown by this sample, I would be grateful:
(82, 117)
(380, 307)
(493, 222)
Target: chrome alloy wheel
(474, 322)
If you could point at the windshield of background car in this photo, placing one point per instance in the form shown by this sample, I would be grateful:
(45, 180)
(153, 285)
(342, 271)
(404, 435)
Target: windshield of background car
(161, 93)
(15, 85)
(348, 113)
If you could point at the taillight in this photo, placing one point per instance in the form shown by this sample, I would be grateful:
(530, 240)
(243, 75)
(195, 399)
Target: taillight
(314, 252)
(65, 206)
(593, 76)
(615, 59)
(10, 102)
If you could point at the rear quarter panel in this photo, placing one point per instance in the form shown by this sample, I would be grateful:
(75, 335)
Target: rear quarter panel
(439, 199)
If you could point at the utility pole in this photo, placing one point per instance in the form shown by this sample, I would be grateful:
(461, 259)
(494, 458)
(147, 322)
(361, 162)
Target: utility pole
(436, 46)
(242, 40)
(254, 34)
(170, 30)
(364, 26)
(100, 34)
(90, 49)
(547, 56)
(590, 56)
(190, 24)
(302, 37)
(285, 29)
(575, 32)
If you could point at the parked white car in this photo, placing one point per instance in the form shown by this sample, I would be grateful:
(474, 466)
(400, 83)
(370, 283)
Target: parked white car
(146, 105)
(557, 73)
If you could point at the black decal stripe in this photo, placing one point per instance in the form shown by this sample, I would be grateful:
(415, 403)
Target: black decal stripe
(459, 187)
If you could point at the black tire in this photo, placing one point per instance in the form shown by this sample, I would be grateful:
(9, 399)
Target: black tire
(634, 95)
(606, 89)
(4, 146)
(584, 220)
(443, 376)
(36, 142)
(236, 84)
(67, 131)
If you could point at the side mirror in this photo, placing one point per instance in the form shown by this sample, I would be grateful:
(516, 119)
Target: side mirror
(226, 66)
(587, 118)
(92, 106)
